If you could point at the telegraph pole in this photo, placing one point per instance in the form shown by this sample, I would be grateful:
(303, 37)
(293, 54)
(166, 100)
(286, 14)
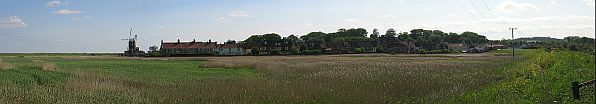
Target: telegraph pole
(513, 42)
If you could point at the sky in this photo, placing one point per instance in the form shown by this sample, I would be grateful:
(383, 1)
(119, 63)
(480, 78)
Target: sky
(40, 26)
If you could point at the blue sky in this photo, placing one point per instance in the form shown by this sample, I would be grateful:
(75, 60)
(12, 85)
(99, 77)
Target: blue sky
(98, 25)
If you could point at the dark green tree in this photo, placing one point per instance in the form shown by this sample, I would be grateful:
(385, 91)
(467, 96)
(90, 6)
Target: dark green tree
(390, 33)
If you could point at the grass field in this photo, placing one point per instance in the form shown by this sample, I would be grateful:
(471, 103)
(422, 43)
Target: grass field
(538, 77)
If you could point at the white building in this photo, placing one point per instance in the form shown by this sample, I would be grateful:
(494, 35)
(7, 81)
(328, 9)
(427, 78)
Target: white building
(229, 49)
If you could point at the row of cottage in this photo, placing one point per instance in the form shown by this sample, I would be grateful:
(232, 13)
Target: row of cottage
(390, 45)
(269, 47)
(200, 48)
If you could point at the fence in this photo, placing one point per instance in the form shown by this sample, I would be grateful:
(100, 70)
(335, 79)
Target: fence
(576, 85)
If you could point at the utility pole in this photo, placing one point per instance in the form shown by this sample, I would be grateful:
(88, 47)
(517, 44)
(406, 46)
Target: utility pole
(513, 42)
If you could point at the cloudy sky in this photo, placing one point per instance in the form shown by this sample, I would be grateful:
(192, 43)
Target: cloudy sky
(98, 25)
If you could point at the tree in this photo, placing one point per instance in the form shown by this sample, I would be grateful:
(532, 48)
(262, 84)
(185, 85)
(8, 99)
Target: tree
(230, 42)
(153, 48)
(359, 32)
(474, 37)
(375, 34)
(252, 41)
(390, 33)
(293, 38)
(453, 38)
(154, 51)
(313, 35)
(314, 40)
(272, 37)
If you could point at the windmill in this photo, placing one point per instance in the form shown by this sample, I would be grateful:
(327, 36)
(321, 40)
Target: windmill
(132, 50)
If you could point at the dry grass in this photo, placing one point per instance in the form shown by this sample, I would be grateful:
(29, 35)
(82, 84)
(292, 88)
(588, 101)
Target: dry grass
(5, 65)
(87, 81)
(49, 66)
(45, 65)
(354, 79)
(370, 78)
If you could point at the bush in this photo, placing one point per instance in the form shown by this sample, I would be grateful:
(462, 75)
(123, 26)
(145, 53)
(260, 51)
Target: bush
(423, 51)
(254, 52)
(381, 49)
(275, 52)
(311, 52)
(154, 53)
(359, 50)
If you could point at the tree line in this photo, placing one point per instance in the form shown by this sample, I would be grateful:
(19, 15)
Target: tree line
(425, 40)
(571, 43)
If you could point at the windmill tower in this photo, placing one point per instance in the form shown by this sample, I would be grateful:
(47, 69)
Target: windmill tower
(132, 50)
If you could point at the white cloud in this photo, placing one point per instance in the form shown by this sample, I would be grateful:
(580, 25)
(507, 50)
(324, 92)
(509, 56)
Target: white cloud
(67, 11)
(589, 3)
(81, 18)
(309, 24)
(553, 3)
(56, 3)
(388, 16)
(352, 20)
(451, 14)
(161, 27)
(12, 22)
(237, 13)
(219, 18)
(511, 6)
(552, 26)
(60, 40)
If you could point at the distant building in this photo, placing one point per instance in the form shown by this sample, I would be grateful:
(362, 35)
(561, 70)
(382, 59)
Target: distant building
(394, 45)
(458, 47)
(229, 49)
(188, 48)
(200, 48)
(368, 46)
(133, 50)
(267, 47)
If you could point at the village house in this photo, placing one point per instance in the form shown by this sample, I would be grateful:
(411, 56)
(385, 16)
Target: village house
(199, 48)
(283, 46)
(229, 49)
(458, 47)
(368, 46)
(394, 45)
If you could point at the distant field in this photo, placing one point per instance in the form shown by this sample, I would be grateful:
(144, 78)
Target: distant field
(356, 78)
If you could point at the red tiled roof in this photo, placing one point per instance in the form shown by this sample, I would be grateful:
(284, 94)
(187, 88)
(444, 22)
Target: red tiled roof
(189, 45)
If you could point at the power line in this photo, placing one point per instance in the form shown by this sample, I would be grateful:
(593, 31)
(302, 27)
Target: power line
(478, 18)
(489, 10)
(470, 12)
(479, 12)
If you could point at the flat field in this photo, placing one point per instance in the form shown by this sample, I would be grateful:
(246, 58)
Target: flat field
(355, 78)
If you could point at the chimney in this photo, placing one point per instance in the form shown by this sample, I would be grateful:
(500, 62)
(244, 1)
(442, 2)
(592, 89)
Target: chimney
(193, 41)
(209, 41)
(178, 41)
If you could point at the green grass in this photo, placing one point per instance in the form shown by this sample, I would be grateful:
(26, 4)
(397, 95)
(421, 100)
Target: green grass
(109, 81)
(537, 77)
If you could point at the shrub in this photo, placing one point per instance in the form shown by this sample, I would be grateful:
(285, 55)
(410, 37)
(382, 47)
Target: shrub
(311, 52)
(359, 50)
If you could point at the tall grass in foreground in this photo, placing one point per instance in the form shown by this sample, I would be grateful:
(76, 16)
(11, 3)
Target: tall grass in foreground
(314, 79)
(540, 77)
(275, 79)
